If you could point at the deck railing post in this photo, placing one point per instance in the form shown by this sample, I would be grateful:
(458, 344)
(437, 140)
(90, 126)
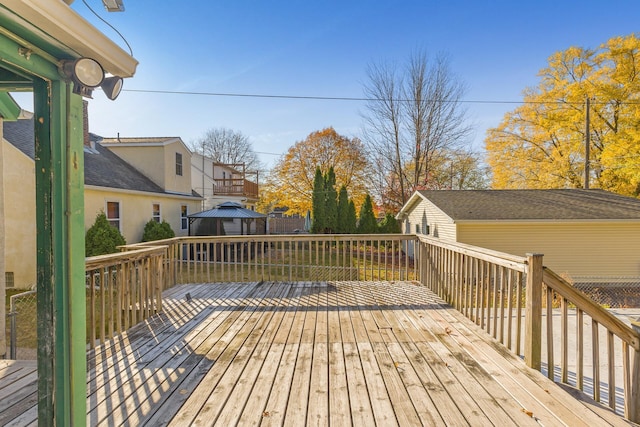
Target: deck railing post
(533, 312)
(632, 408)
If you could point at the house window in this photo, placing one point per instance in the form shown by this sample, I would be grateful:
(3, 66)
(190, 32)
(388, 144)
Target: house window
(155, 214)
(184, 221)
(417, 228)
(113, 214)
(179, 164)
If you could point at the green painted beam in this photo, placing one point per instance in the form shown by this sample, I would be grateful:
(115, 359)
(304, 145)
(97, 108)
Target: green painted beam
(24, 62)
(9, 109)
(60, 259)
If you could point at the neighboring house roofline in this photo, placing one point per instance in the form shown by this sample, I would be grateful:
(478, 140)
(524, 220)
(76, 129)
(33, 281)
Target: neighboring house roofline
(528, 205)
(547, 221)
(145, 193)
(103, 167)
(151, 141)
(415, 198)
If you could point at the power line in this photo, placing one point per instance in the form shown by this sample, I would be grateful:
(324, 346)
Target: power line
(357, 99)
(310, 97)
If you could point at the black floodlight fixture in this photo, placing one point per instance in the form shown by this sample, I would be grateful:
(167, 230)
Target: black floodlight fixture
(87, 74)
(86, 71)
(112, 86)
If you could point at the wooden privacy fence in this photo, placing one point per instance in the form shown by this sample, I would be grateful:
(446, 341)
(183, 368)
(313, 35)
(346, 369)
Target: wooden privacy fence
(383, 257)
(512, 298)
(123, 289)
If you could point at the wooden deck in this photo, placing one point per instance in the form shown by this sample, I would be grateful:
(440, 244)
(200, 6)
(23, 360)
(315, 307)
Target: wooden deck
(339, 353)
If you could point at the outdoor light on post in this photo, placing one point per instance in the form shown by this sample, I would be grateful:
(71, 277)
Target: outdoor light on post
(87, 74)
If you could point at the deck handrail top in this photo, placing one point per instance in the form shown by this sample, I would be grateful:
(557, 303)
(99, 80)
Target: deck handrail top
(94, 262)
(599, 314)
(514, 262)
(271, 237)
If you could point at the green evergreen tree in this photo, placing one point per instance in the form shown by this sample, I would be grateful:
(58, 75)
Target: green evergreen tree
(331, 202)
(389, 225)
(352, 221)
(367, 223)
(343, 211)
(102, 238)
(318, 204)
(154, 230)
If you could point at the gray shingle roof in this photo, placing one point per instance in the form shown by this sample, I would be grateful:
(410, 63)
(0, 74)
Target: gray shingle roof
(20, 135)
(565, 204)
(102, 167)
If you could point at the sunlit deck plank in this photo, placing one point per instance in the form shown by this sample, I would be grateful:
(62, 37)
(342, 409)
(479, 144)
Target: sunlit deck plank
(225, 403)
(276, 407)
(339, 408)
(339, 353)
(545, 400)
(166, 352)
(359, 402)
(219, 359)
(255, 408)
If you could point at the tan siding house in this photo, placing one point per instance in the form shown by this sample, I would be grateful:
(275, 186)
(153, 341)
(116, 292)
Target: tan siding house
(165, 160)
(580, 232)
(18, 181)
(128, 197)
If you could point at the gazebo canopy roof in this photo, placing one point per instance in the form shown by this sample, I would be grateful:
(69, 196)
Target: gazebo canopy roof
(228, 210)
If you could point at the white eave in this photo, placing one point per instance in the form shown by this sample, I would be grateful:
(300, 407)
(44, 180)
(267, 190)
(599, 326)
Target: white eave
(58, 20)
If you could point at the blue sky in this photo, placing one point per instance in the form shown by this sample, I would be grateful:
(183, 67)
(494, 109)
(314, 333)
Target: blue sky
(322, 48)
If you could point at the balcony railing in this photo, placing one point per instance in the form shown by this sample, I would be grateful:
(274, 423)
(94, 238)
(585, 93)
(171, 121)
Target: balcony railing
(123, 289)
(512, 298)
(235, 187)
(522, 304)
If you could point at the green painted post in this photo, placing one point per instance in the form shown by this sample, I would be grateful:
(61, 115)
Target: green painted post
(60, 275)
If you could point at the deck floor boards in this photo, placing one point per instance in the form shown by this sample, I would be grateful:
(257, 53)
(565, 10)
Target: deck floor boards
(307, 353)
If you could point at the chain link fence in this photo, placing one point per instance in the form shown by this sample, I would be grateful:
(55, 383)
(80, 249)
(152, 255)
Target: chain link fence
(22, 326)
(610, 292)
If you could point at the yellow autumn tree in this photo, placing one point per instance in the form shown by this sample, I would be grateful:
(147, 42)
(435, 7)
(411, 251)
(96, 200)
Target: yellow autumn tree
(290, 182)
(541, 144)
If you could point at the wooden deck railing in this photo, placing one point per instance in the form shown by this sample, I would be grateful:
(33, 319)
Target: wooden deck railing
(525, 306)
(289, 257)
(511, 297)
(123, 289)
(235, 187)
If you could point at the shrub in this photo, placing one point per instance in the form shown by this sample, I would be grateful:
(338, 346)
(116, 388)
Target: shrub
(367, 223)
(102, 238)
(389, 225)
(154, 230)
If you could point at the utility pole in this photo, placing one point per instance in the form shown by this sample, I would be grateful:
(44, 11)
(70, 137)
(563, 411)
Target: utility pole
(587, 145)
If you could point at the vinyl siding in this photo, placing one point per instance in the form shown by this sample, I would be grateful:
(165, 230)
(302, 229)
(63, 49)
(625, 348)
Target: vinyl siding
(440, 225)
(576, 249)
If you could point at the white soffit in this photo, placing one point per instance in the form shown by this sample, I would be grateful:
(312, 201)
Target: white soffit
(58, 20)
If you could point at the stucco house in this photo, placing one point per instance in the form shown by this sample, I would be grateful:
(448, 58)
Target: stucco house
(127, 195)
(219, 183)
(582, 233)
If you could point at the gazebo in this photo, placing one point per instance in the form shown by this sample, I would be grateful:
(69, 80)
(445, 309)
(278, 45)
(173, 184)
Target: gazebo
(227, 219)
